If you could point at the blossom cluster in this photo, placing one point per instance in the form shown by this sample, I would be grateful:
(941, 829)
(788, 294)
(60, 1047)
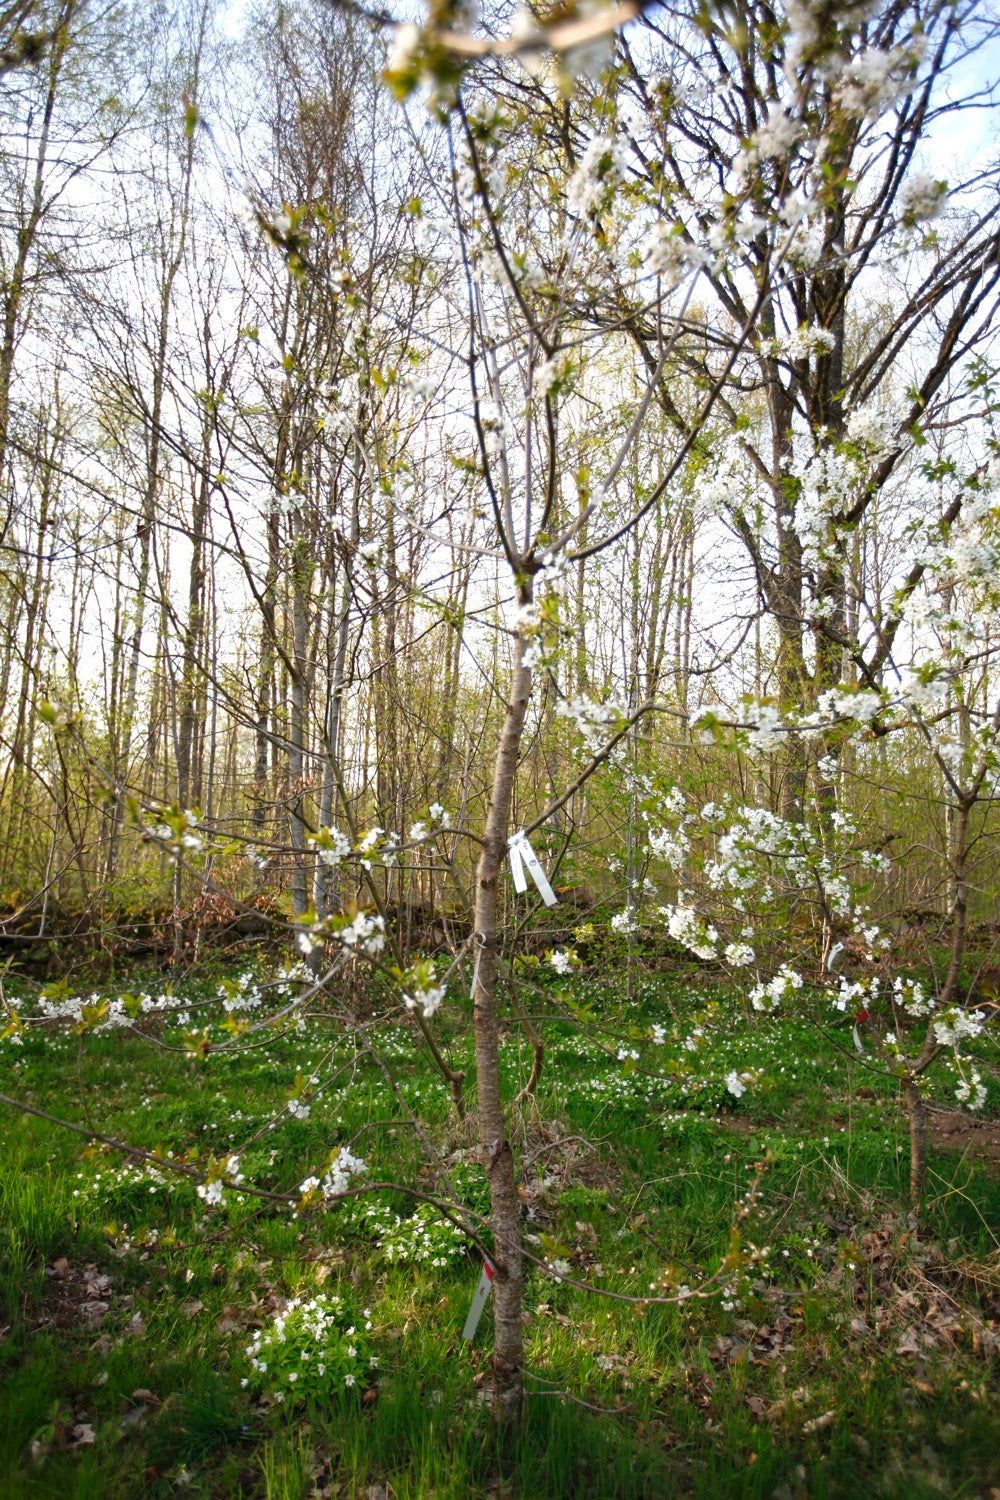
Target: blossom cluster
(314, 1349)
(687, 927)
(211, 1191)
(600, 170)
(753, 860)
(420, 988)
(175, 829)
(101, 1014)
(332, 846)
(595, 720)
(364, 932)
(670, 253)
(341, 1167)
(876, 77)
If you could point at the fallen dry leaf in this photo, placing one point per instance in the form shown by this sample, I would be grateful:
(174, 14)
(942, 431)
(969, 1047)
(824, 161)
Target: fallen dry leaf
(909, 1343)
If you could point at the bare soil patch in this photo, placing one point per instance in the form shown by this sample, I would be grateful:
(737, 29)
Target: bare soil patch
(979, 1139)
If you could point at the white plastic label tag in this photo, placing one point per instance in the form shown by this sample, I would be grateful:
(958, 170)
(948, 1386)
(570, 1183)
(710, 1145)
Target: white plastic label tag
(521, 855)
(516, 865)
(479, 1297)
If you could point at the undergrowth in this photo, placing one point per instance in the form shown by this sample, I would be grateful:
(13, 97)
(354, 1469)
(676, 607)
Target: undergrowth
(853, 1356)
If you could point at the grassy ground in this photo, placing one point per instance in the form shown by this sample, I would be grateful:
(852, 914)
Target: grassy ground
(855, 1357)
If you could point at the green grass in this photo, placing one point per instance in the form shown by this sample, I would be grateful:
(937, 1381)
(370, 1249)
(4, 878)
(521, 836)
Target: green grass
(855, 1357)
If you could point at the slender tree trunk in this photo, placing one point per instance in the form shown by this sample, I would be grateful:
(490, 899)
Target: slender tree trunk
(389, 778)
(917, 1112)
(498, 1158)
(18, 789)
(298, 719)
(191, 685)
(324, 880)
(18, 284)
(265, 686)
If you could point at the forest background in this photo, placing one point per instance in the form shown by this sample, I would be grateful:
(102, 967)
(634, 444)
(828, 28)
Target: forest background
(251, 559)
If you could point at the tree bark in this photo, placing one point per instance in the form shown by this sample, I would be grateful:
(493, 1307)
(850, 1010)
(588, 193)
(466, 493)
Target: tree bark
(498, 1158)
(917, 1112)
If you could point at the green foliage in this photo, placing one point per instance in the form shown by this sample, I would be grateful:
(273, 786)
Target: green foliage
(316, 1349)
(425, 1237)
(33, 1225)
(633, 1169)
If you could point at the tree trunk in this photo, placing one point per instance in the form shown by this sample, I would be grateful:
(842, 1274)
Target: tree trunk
(498, 1159)
(325, 893)
(918, 1138)
(298, 726)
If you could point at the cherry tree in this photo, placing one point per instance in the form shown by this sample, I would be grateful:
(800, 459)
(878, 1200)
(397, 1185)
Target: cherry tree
(620, 293)
(776, 161)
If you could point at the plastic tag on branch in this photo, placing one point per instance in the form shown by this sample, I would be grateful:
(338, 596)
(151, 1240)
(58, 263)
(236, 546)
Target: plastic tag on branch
(479, 1298)
(522, 857)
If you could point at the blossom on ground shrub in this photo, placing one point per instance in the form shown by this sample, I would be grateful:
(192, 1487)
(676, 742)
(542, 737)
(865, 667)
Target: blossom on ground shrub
(311, 1351)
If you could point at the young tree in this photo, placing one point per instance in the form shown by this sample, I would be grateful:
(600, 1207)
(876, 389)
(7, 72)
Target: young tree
(497, 410)
(777, 157)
